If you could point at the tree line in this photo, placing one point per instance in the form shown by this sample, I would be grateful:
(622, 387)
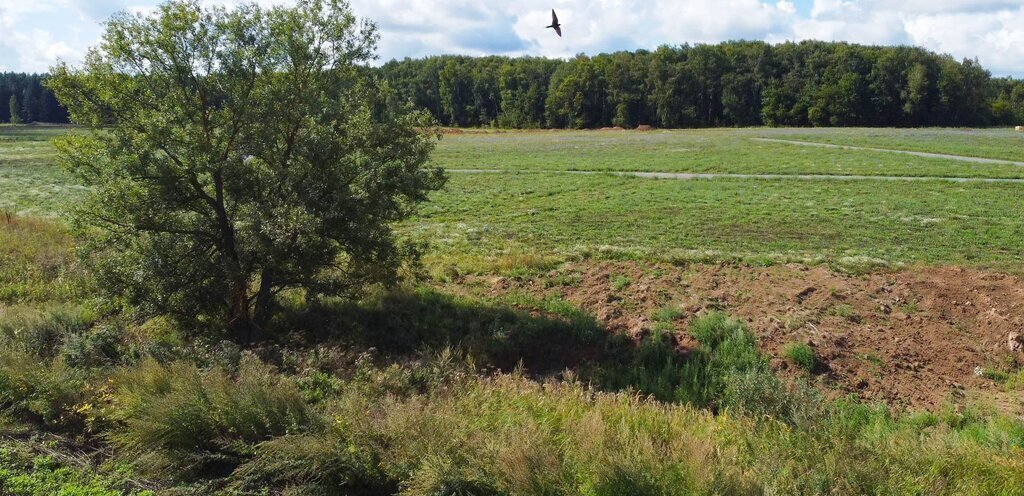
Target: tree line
(24, 98)
(738, 83)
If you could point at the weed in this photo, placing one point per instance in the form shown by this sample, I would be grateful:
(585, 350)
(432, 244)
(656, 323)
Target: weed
(846, 312)
(801, 355)
(619, 283)
(667, 313)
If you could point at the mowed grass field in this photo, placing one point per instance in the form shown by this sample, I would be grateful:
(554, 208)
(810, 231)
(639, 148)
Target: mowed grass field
(525, 204)
(1005, 144)
(31, 183)
(736, 151)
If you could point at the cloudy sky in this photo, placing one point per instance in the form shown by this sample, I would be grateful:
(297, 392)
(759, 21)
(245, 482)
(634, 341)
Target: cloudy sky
(36, 33)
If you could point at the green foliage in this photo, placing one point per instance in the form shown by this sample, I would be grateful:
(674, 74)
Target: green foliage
(43, 391)
(736, 83)
(237, 154)
(509, 435)
(37, 263)
(184, 422)
(24, 472)
(699, 377)
(14, 110)
(801, 354)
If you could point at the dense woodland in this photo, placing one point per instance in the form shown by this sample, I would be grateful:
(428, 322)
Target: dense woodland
(742, 83)
(730, 84)
(29, 99)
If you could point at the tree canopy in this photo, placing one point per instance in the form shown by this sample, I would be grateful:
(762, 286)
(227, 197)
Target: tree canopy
(738, 83)
(35, 102)
(239, 153)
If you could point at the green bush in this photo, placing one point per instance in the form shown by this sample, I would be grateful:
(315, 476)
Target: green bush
(43, 333)
(42, 391)
(801, 354)
(180, 421)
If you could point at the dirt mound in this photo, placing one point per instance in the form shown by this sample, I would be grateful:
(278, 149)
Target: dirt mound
(614, 128)
(911, 338)
(645, 127)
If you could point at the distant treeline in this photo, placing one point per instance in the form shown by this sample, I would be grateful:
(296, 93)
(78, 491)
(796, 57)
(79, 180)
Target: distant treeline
(729, 84)
(741, 83)
(25, 95)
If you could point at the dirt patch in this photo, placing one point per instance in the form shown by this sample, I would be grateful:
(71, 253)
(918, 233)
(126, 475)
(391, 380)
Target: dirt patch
(645, 127)
(910, 338)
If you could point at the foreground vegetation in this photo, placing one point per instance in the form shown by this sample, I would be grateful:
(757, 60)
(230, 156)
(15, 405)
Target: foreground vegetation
(419, 392)
(327, 419)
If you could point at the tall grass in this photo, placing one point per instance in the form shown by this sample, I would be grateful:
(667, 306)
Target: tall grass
(37, 263)
(186, 422)
(701, 376)
(511, 435)
(43, 391)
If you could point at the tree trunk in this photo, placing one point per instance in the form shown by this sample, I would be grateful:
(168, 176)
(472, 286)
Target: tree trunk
(241, 324)
(264, 298)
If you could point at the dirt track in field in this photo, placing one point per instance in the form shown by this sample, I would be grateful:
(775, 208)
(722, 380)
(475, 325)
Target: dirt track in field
(692, 176)
(962, 158)
(909, 338)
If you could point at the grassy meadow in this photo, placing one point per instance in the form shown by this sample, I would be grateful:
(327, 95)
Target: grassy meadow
(734, 151)
(431, 389)
(1004, 144)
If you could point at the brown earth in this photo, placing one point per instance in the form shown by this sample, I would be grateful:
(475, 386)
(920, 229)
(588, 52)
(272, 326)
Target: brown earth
(909, 338)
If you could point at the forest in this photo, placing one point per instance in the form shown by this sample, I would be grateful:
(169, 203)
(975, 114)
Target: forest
(740, 83)
(26, 97)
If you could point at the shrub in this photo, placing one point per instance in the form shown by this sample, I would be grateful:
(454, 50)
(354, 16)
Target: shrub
(181, 422)
(41, 391)
(801, 354)
(101, 346)
(42, 333)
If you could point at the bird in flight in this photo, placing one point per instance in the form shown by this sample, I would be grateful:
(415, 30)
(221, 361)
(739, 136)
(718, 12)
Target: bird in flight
(554, 23)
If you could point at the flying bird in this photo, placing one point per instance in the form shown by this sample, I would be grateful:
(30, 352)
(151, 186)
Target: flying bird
(554, 23)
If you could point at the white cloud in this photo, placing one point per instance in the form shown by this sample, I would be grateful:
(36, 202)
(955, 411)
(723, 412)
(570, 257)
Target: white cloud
(37, 31)
(997, 38)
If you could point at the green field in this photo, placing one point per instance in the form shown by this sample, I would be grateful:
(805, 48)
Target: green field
(729, 151)
(31, 183)
(787, 220)
(1005, 144)
(878, 221)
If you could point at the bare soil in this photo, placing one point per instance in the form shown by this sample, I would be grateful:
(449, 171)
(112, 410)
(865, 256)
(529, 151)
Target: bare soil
(910, 338)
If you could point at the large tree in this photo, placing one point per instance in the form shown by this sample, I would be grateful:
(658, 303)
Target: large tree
(238, 153)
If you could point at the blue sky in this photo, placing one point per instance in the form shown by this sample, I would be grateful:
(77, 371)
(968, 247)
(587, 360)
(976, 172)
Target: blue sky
(34, 34)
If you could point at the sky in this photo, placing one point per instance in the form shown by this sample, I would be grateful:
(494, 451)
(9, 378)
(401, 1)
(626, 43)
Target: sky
(35, 34)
